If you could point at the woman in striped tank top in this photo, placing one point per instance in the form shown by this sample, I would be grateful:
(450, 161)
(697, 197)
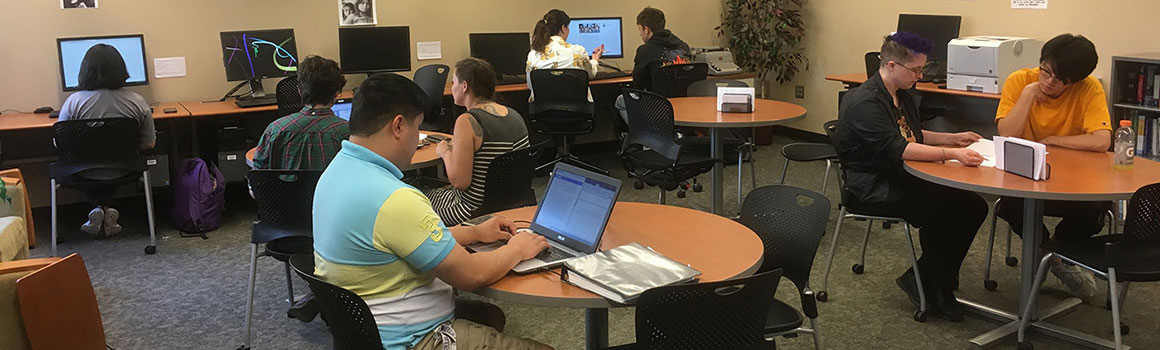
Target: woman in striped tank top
(487, 130)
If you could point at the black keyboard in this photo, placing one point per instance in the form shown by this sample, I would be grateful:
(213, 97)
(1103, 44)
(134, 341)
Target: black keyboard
(512, 79)
(609, 75)
(256, 101)
(553, 254)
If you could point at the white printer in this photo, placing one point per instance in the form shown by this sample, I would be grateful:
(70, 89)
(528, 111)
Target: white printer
(720, 60)
(982, 63)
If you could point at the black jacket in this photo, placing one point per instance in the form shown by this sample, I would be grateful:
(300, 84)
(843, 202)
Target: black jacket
(662, 47)
(870, 145)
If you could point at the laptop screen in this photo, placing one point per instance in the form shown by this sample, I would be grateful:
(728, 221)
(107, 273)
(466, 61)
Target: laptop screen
(576, 207)
(341, 108)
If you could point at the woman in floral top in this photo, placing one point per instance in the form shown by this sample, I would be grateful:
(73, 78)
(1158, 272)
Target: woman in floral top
(550, 48)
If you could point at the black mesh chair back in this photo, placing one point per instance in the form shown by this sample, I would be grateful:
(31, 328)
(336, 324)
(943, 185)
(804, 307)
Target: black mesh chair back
(717, 315)
(509, 181)
(708, 88)
(563, 89)
(1137, 256)
(289, 96)
(651, 123)
(432, 79)
(90, 144)
(790, 222)
(285, 201)
(352, 326)
(873, 61)
(673, 80)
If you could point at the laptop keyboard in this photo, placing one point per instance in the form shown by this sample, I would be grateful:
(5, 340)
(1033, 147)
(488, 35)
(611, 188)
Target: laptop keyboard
(553, 254)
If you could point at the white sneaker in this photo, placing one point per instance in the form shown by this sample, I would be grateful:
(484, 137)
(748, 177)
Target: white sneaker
(1080, 282)
(110, 221)
(93, 226)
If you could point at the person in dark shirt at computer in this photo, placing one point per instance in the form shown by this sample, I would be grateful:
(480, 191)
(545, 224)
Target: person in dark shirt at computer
(661, 47)
(879, 127)
(307, 139)
(101, 79)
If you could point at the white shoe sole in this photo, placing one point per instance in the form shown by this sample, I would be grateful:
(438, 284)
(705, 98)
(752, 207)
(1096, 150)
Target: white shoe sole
(111, 225)
(93, 226)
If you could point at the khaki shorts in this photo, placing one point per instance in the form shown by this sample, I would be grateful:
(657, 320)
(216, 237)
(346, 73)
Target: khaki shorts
(473, 336)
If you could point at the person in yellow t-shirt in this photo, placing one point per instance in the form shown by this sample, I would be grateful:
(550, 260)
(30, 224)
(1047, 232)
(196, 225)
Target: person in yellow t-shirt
(1060, 104)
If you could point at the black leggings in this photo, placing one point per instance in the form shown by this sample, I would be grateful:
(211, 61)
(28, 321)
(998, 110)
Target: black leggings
(1081, 220)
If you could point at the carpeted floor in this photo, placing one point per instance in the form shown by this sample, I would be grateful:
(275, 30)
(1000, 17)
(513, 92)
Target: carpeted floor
(191, 294)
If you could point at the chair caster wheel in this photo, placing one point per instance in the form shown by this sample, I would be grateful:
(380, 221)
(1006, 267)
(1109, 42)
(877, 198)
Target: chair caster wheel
(1124, 330)
(150, 249)
(1012, 261)
(680, 194)
(920, 316)
(886, 225)
(1026, 346)
(698, 188)
(822, 296)
(858, 269)
(638, 185)
(990, 285)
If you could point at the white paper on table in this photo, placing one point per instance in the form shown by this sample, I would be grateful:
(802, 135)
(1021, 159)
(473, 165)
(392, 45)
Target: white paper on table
(429, 50)
(986, 148)
(169, 67)
(999, 159)
(422, 137)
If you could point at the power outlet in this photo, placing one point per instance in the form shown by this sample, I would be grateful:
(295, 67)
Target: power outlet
(799, 91)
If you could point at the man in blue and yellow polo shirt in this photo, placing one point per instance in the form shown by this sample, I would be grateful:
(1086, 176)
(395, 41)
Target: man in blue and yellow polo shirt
(379, 237)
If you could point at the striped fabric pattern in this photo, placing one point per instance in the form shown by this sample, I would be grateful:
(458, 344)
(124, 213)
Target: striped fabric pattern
(455, 206)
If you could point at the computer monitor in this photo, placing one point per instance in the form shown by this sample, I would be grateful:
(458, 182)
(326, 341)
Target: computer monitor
(506, 52)
(939, 29)
(374, 49)
(342, 107)
(71, 52)
(595, 31)
(253, 55)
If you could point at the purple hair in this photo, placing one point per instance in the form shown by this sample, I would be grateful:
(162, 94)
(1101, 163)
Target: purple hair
(913, 42)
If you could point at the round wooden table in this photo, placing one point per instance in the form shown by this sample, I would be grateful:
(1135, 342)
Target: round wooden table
(1075, 176)
(718, 247)
(702, 112)
(424, 157)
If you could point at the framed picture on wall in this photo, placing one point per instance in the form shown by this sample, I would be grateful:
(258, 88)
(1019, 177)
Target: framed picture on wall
(355, 12)
(78, 4)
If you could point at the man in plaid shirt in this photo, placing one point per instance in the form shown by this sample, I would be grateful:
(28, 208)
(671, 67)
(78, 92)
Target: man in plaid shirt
(307, 139)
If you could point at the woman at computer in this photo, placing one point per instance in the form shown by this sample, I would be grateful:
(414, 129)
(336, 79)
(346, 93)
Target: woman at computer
(550, 48)
(101, 78)
(487, 130)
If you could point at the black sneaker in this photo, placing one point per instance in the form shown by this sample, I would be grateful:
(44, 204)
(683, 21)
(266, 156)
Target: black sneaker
(304, 309)
(908, 285)
(949, 307)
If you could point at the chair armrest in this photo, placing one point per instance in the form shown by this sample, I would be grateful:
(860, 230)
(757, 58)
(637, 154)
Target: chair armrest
(809, 304)
(25, 265)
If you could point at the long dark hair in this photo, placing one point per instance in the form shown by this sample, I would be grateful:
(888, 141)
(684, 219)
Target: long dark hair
(102, 68)
(547, 27)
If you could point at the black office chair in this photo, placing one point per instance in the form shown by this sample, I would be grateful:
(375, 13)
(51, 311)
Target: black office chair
(809, 152)
(433, 80)
(1121, 258)
(868, 215)
(285, 200)
(1010, 260)
(561, 109)
(790, 222)
(873, 61)
(508, 183)
(107, 146)
(289, 96)
(741, 141)
(721, 315)
(673, 80)
(351, 324)
(650, 152)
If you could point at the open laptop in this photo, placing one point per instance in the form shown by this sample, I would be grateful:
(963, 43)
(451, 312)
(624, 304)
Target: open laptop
(572, 216)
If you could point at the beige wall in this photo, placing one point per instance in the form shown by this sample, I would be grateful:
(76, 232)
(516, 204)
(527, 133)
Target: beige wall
(30, 75)
(841, 31)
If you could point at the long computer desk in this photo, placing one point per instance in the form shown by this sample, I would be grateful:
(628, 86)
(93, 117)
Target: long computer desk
(945, 109)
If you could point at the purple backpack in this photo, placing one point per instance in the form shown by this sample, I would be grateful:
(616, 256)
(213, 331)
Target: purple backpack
(198, 197)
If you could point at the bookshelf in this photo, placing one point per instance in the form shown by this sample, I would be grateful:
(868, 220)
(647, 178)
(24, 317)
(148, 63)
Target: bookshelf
(1135, 96)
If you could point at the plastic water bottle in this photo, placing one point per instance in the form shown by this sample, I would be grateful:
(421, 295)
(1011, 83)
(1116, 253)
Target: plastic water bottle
(1125, 145)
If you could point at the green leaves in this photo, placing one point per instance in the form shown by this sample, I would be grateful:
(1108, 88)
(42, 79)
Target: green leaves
(4, 192)
(765, 36)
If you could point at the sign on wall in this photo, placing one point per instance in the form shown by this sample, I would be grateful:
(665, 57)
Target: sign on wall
(1029, 4)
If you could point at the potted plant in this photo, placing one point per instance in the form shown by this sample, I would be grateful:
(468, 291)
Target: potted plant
(765, 37)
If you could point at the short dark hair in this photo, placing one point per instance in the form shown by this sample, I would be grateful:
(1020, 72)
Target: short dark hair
(320, 80)
(899, 46)
(652, 18)
(102, 68)
(1072, 57)
(382, 97)
(478, 74)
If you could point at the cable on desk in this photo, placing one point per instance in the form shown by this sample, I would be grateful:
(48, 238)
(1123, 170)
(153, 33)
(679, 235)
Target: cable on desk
(14, 110)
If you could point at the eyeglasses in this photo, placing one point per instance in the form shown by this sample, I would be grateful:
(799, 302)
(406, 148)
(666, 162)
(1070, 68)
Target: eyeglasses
(915, 70)
(1046, 74)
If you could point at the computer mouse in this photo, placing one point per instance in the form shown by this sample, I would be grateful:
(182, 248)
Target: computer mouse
(54, 114)
(42, 110)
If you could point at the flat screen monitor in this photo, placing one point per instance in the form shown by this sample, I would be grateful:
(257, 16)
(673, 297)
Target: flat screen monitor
(374, 49)
(342, 108)
(258, 54)
(938, 28)
(72, 52)
(507, 52)
(596, 31)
